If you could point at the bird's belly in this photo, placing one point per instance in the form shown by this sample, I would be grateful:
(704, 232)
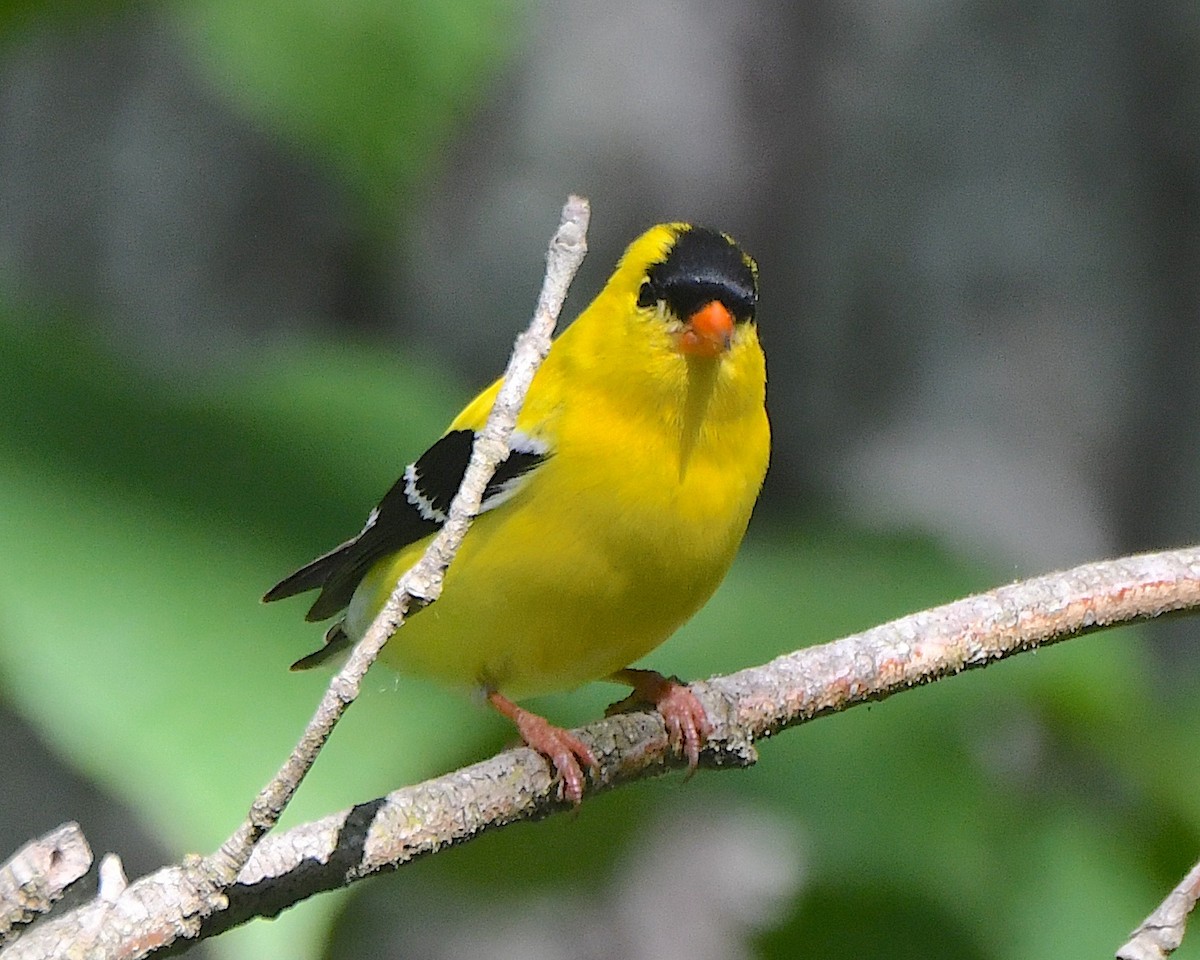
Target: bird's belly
(553, 596)
(529, 641)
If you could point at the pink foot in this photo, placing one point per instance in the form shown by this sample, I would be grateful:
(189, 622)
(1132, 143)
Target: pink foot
(563, 749)
(687, 723)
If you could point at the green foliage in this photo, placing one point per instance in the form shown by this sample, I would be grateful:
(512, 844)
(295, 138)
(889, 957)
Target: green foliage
(372, 86)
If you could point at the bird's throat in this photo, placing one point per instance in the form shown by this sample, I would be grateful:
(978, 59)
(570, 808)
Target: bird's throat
(701, 381)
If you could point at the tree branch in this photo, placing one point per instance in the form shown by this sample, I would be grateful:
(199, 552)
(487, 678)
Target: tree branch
(34, 877)
(1161, 933)
(386, 833)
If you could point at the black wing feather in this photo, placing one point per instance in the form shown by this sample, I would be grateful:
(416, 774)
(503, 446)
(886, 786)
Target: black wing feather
(310, 576)
(412, 509)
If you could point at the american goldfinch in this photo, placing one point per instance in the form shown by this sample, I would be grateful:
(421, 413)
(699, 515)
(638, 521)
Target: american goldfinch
(630, 479)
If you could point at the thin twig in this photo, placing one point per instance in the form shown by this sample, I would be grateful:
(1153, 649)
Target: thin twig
(384, 834)
(1161, 933)
(423, 583)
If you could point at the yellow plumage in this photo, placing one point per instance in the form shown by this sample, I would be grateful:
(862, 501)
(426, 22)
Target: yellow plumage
(651, 456)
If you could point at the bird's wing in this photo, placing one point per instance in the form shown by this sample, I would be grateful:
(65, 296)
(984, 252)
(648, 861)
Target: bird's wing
(415, 507)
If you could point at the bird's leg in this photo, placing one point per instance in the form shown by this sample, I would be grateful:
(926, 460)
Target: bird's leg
(687, 723)
(564, 750)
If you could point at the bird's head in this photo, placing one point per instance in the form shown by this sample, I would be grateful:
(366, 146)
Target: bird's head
(673, 328)
(695, 281)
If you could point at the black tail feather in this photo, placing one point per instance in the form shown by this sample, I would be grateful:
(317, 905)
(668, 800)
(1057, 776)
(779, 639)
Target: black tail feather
(336, 644)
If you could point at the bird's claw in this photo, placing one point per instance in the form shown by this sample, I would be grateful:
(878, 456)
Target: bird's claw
(686, 720)
(565, 751)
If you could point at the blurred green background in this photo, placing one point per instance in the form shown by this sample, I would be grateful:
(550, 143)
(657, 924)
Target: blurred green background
(252, 257)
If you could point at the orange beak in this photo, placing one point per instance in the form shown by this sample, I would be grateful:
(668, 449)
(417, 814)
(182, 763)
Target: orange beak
(709, 331)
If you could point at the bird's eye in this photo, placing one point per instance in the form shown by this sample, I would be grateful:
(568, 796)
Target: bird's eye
(647, 296)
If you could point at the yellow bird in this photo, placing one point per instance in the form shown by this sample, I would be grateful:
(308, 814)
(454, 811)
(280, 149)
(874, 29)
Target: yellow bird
(631, 476)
